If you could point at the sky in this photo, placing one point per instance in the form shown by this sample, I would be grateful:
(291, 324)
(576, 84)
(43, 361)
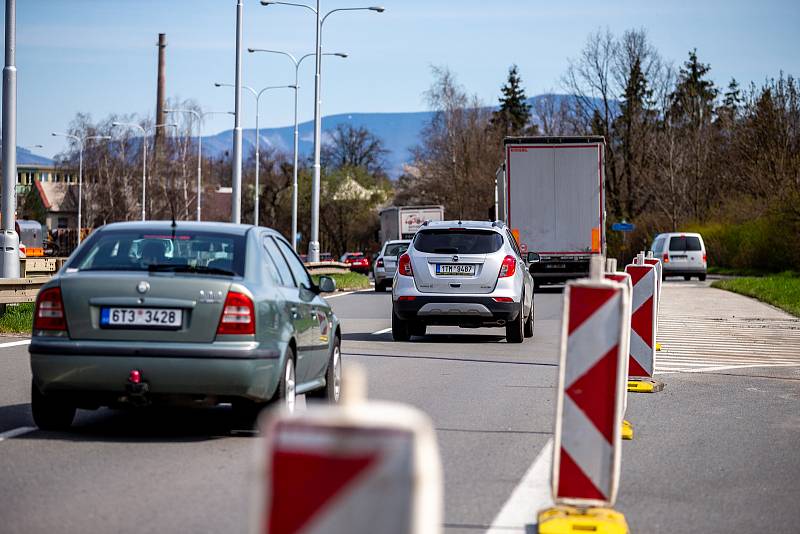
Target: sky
(99, 56)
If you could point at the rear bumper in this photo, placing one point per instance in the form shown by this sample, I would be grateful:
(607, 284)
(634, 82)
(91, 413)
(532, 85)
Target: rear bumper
(682, 270)
(456, 310)
(98, 372)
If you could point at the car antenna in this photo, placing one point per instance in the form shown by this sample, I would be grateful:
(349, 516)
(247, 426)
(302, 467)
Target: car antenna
(172, 210)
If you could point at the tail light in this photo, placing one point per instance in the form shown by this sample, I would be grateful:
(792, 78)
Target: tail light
(665, 258)
(238, 315)
(404, 266)
(502, 299)
(704, 258)
(508, 268)
(379, 263)
(49, 312)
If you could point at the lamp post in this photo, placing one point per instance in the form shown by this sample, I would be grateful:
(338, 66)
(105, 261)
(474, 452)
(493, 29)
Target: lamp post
(144, 154)
(313, 245)
(257, 95)
(236, 179)
(297, 63)
(81, 144)
(199, 115)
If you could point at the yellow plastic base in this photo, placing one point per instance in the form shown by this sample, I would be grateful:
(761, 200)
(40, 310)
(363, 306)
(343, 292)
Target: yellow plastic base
(644, 385)
(569, 520)
(658, 346)
(627, 430)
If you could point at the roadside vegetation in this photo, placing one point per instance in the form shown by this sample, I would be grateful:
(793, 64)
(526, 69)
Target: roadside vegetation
(346, 281)
(17, 319)
(781, 290)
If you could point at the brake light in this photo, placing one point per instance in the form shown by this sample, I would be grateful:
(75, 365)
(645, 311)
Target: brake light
(407, 298)
(49, 312)
(502, 299)
(379, 263)
(404, 266)
(704, 258)
(238, 315)
(508, 268)
(665, 258)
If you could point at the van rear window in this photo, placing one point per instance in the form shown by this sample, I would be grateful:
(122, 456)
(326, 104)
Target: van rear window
(458, 241)
(684, 243)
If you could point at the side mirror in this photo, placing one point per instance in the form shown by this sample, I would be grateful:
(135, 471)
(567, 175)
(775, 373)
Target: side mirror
(533, 257)
(327, 284)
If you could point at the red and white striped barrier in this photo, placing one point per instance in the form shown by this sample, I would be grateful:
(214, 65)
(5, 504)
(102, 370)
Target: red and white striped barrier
(643, 320)
(358, 467)
(591, 392)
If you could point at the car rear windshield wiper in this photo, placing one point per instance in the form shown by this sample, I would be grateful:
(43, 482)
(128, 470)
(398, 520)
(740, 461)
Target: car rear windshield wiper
(167, 268)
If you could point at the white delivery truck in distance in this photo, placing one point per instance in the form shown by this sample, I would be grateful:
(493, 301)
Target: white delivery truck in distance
(552, 197)
(402, 222)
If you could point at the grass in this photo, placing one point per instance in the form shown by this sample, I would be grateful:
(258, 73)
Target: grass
(780, 290)
(18, 319)
(346, 281)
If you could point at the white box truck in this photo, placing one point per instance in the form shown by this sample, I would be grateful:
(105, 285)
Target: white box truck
(402, 222)
(552, 196)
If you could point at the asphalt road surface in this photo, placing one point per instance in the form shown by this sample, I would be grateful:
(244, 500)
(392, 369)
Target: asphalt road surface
(716, 451)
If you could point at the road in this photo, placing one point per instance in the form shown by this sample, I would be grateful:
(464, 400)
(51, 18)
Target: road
(715, 451)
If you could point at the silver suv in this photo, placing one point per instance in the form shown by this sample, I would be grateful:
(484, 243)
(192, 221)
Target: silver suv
(462, 273)
(386, 263)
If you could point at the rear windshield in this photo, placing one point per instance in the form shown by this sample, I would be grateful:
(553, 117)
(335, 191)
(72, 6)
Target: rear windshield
(458, 241)
(185, 251)
(395, 249)
(684, 243)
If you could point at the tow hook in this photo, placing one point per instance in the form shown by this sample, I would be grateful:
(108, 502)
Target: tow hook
(137, 389)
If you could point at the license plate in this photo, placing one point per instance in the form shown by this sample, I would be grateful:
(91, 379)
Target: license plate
(141, 317)
(556, 266)
(454, 269)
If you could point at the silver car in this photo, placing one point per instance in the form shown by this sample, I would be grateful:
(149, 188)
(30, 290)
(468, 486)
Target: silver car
(386, 263)
(462, 273)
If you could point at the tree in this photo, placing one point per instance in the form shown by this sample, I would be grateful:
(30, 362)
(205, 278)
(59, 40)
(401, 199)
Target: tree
(352, 146)
(514, 115)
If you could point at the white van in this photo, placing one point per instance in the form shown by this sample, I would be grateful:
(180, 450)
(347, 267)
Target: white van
(681, 254)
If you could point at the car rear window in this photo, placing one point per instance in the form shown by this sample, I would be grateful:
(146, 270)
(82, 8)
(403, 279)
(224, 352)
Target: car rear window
(684, 243)
(185, 251)
(396, 249)
(458, 241)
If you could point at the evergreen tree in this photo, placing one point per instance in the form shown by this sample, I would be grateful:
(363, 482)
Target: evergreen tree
(514, 114)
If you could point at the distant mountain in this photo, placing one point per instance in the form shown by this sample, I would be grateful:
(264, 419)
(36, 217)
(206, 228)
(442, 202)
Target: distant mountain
(399, 132)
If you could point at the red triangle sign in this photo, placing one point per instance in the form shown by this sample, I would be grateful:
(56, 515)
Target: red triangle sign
(303, 483)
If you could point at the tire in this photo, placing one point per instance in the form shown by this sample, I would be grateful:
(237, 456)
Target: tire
(332, 391)
(286, 395)
(687, 278)
(515, 329)
(528, 326)
(418, 329)
(50, 413)
(401, 330)
(702, 278)
(379, 287)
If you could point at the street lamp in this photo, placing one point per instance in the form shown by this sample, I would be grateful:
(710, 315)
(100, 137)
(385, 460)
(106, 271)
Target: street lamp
(257, 95)
(199, 115)
(297, 63)
(313, 245)
(144, 154)
(81, 143)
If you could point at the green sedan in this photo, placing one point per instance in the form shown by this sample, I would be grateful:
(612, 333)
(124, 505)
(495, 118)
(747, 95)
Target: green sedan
(181, 313)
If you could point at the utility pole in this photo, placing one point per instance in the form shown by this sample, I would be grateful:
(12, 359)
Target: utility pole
(9, 240)
(236, 181)
(161, 88)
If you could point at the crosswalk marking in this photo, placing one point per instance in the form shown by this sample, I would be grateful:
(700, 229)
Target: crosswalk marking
(708, 330)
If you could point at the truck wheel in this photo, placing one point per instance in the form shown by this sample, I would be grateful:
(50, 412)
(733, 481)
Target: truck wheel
(702, 277)
(515, 329)
(400, 329)
(50, 413)
(529, 324)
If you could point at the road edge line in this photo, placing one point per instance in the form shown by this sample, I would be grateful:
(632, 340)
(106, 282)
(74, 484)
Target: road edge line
(15, 343)
(13, 433)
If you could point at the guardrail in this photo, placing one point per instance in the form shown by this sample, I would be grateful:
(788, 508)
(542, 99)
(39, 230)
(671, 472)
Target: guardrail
(327, 267)
(34, 273)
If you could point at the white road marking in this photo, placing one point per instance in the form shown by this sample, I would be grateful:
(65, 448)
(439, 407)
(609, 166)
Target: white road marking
(15, 343)
(339, 295)
(531, 495)
(8, 434)
(384, 331)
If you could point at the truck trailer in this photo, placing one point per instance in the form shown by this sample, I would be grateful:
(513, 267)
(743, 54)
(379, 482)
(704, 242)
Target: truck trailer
(551, 194)
(402, 222)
